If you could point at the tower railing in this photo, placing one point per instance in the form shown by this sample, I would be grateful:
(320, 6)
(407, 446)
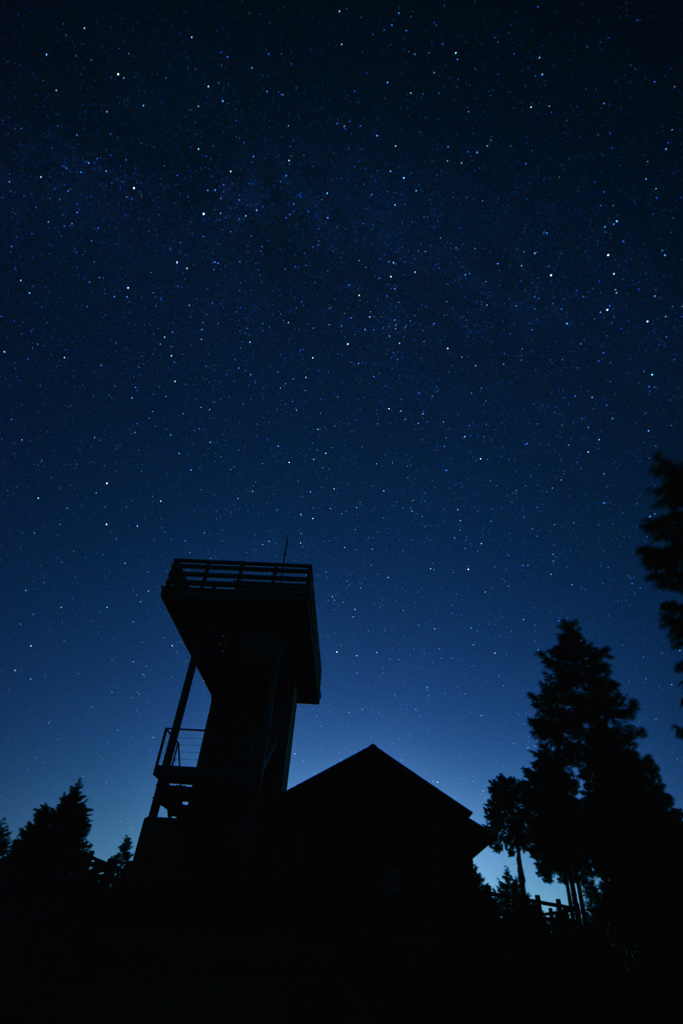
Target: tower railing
(203, 574)
(184, 766)
(186, 751)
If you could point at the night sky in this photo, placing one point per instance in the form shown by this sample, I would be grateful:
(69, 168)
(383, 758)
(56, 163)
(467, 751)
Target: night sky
(400, 282)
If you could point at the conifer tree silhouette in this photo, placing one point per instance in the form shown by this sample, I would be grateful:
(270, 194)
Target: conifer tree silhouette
(507, 816)
(662, 558)
(5, 838)
(590, 809)
(52, 849)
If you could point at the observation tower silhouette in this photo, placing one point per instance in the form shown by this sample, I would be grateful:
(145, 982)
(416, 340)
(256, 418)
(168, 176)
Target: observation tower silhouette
(251, 632)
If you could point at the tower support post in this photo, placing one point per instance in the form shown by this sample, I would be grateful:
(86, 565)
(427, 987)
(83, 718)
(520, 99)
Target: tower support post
(175, 730)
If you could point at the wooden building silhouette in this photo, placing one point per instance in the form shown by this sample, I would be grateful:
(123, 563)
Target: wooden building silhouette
(365, 839)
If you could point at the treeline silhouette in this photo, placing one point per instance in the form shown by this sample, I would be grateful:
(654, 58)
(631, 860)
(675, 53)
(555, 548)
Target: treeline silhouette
(51, 865)
(82, 940)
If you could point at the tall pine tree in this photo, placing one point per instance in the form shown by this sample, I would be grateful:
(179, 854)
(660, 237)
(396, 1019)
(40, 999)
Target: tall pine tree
(506, 814)
(596, 810)
(662, 558)
(5, 838)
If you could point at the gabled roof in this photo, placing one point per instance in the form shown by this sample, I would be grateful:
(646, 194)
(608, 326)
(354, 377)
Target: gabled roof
(373, 777)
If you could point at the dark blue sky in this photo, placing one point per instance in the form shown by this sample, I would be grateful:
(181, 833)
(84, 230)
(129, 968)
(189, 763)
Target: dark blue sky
(399, 281)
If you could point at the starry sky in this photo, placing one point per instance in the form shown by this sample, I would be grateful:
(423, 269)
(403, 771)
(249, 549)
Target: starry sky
(399, 282)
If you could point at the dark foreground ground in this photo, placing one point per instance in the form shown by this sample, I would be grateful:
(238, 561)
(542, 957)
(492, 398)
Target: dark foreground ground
(131, 969)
